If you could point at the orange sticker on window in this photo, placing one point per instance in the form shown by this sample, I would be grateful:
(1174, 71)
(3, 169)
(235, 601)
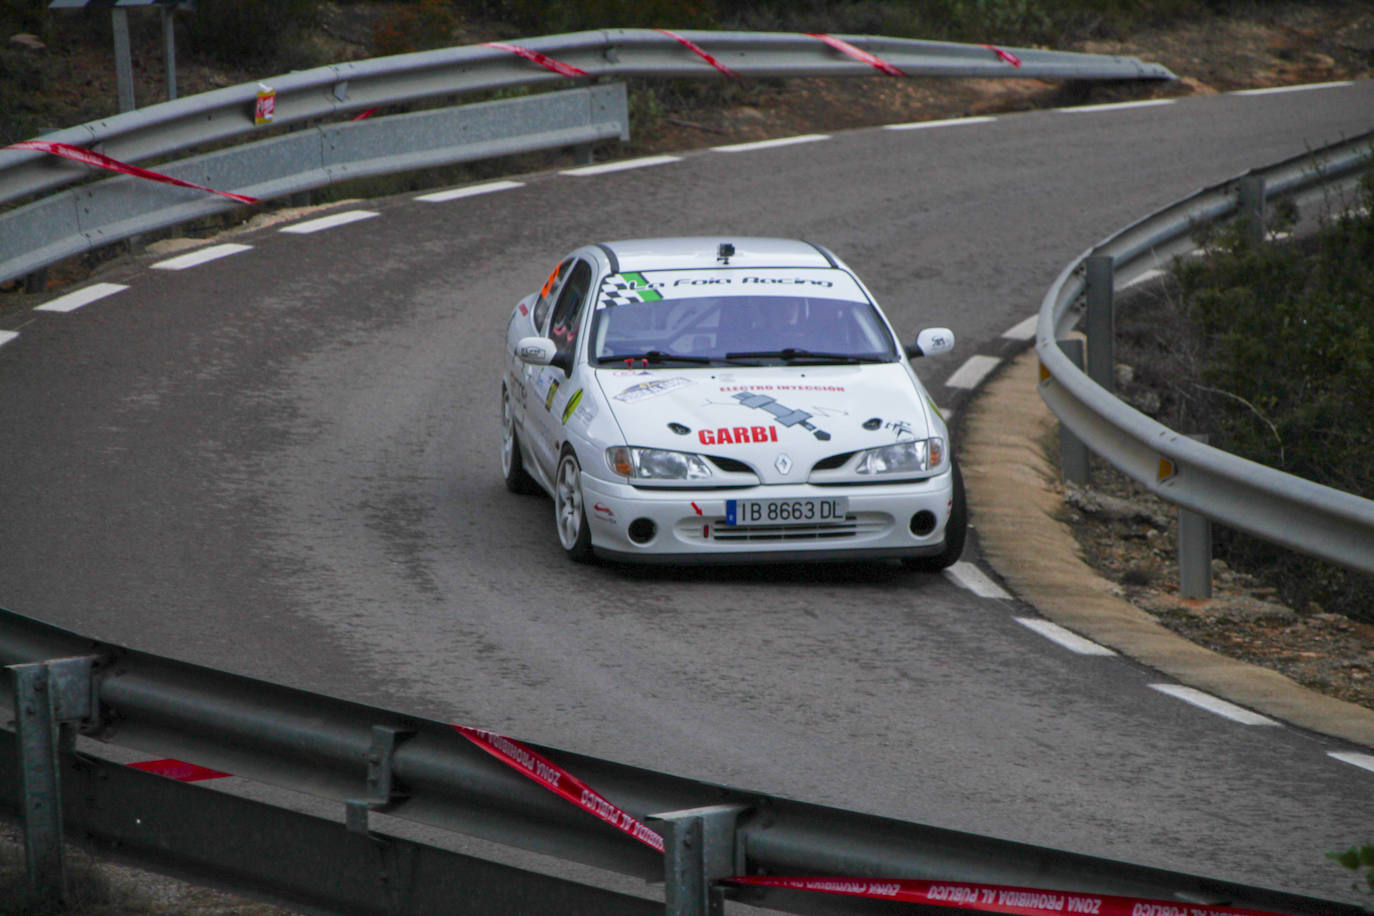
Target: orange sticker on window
(553, 278)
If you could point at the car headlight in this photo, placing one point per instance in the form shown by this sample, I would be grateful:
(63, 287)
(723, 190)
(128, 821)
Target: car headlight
(656, 463)
(903, 457)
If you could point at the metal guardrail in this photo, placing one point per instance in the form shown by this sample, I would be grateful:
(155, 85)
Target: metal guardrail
(1280, 508)
(71, 222)
(363, 758)
(43, 234)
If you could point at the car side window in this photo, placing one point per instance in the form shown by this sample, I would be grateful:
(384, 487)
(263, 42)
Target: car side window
(549, 293)
(567, 313)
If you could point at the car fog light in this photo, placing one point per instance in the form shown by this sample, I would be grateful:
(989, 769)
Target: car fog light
(923, 523)
(642, 530)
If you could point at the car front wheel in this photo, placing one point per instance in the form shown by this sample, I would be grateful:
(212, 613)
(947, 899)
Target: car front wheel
(569, 515)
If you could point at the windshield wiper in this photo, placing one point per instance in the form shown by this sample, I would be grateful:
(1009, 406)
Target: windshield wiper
(653, 356)
(793, 354)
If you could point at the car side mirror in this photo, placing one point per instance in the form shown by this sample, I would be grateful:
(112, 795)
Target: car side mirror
(930, 342)
(538, 351)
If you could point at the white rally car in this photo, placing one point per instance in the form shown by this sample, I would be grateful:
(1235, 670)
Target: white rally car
(726, 400)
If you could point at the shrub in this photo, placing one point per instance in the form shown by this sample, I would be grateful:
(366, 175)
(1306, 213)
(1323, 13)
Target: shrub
(248, 32)
(415, 27)
(1287, 352)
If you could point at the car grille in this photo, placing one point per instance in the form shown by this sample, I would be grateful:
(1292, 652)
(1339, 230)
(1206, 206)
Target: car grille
(714, 530)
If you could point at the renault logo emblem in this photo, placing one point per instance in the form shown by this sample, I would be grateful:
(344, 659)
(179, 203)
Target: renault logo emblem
(783, 464)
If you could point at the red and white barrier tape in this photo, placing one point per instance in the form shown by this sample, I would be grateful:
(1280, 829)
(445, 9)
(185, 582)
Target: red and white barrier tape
(1005, 55)
(91, 157)
(179, 770)
(559, 781)
(548, 63)
(858, 54)
(984, 898)
(695, 49)
(994, 898)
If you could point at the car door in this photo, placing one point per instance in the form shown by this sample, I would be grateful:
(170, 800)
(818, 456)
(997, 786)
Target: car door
(551, 388)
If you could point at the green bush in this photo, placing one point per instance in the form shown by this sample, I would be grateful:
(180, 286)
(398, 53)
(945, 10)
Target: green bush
(1287, 374)
(419, 26)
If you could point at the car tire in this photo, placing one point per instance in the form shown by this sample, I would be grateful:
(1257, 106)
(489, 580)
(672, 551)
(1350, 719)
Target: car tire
(568, 513)
(956, 532)
(518, 479)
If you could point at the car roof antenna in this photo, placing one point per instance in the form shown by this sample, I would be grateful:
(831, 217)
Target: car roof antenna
(725, 252)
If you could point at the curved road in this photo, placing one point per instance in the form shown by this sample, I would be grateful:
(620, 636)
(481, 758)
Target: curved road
(283, 463)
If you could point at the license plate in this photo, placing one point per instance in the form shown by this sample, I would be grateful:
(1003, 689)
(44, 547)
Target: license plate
(785, 511)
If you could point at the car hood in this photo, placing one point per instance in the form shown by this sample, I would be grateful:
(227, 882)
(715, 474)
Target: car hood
(755, 415)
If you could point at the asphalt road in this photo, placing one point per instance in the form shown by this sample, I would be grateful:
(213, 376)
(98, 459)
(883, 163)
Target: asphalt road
(284, 463)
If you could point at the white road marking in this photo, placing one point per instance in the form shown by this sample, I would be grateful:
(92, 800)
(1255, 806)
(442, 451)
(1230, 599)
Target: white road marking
(204, 255)
(1066, 638)
(1303, 88)
(946, 122)
(970, 577)
(1213, 705)
(329, 222)
(1022, 330)
(621, 165)
(470, 191)
(73, 301)
(7, 336)
(1363, 761)
(769, 144)
(972, 372)
(1116, 106)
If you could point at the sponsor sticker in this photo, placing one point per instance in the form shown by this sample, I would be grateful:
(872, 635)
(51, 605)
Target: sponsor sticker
(651, 389)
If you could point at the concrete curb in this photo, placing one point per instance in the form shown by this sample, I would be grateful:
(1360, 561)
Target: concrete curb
(1015, 508)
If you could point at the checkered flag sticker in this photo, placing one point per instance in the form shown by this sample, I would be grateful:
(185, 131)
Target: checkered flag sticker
(626, 289)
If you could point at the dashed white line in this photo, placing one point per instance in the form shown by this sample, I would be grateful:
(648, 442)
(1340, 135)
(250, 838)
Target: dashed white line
(7, 336)
(329, 222)
(621, 165)
(769, 144)
(1066, 638)
(970, 577)
(1275, 90)
(204, 255)
(1022, 330)
(946, 122)
(439, 197)
(1363, 761)
(1116, 106)
(73, 301)
(1213, 705)
(972, 372)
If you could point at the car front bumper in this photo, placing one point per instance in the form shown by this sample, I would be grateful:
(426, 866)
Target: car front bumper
(672, 525)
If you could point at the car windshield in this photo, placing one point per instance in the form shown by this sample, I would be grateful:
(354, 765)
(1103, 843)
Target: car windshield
(740, 329)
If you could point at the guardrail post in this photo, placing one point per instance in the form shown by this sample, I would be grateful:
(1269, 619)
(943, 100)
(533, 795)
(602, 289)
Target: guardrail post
(698, 850)
(1194, 551)
(169, 50)
(1101, 321)
(124, 70)
(1074, 465)
(48, 696)
(1250, 206)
